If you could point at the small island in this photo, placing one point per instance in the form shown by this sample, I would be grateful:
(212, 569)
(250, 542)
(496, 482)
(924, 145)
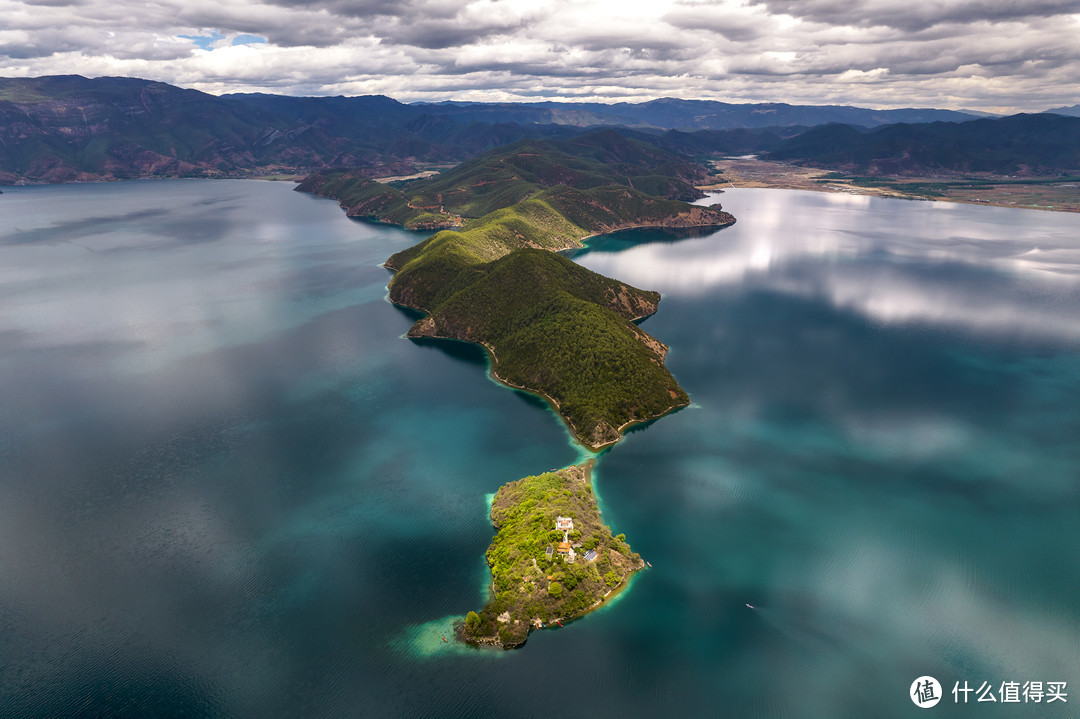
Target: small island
(552, 559)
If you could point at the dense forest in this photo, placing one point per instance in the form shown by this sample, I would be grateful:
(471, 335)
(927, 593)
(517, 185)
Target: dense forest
(531, 587)
(551, 326)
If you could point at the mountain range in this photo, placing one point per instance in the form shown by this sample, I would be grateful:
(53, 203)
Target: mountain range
(671, 113)
(1034, 145)
(71, 128)
(1072, 111)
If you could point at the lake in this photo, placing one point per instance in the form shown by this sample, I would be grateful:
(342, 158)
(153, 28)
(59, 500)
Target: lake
(229, 487)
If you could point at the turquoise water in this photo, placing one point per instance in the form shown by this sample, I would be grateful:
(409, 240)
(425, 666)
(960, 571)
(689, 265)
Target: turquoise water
(228, 487)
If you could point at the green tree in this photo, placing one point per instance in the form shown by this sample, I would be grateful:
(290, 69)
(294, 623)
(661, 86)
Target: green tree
(472, 622)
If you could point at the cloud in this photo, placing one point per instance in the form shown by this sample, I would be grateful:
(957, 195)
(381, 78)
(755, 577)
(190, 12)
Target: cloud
(914, 16)
(880, 53)
(733, 23)
(984, 280)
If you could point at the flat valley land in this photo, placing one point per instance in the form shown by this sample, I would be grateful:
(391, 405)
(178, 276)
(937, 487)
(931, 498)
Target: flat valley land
(1061, 194)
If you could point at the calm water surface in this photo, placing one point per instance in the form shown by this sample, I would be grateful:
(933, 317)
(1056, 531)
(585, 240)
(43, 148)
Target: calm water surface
(229, 488)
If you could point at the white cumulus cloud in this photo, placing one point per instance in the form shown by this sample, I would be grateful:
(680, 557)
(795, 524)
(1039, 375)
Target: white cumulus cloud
(994, 55)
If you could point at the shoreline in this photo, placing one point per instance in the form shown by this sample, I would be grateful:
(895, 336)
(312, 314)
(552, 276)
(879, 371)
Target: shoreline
(744, 173)
(493, 361)
(653, 226)
(494, 642)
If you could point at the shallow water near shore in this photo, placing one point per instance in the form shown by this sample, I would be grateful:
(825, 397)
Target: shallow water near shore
(229, 488)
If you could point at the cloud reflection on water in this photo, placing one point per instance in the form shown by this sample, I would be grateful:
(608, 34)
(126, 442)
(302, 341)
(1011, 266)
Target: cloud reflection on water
(982, 269)
(77, 276)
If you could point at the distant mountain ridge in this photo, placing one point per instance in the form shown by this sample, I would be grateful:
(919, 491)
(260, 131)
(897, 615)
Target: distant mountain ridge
(68, 127)
(673, 113)
(71, 128)
(1072, 111)
(1024, 145)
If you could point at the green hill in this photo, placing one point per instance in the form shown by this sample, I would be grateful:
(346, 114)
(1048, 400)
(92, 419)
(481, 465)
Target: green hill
(555, 328)
(551, 326)
(554, 219)
(507, 175)
(529, 588)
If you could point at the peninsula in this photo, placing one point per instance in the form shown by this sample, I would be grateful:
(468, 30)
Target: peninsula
(551, 327)
(492, 275)
(552, 559)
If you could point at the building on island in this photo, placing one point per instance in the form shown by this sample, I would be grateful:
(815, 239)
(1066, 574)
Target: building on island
(590, 555)
(549, 551)
(565, 525)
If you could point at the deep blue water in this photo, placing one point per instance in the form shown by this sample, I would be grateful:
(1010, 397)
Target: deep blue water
(228, 487)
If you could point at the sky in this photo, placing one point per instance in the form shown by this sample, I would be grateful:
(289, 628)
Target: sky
(990, 55)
